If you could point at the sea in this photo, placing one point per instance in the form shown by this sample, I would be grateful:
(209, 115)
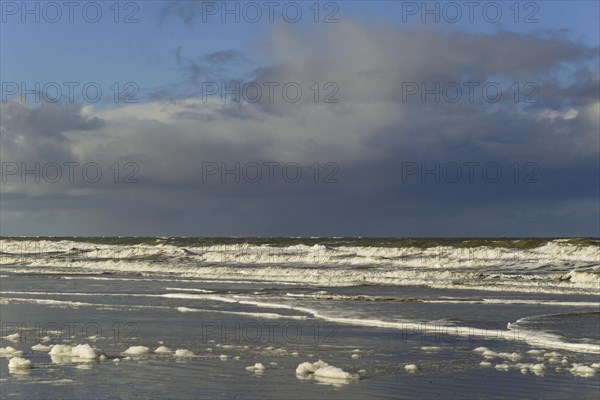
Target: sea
(299, 318)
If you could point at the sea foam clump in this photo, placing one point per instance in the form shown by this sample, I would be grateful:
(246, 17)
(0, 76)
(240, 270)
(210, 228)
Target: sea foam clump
(511, 356)
(84, 351)
(489, 354)
(308, 368)
(184, 353)
(9, 351)
(538, 369)
(163, 350)
(411, 368)
(137, 351)
(63, 353)
(582, 370)
(257, 367)
(321, 370)
(18, 363)
(41, 347)
(15, 337)
(331, 372)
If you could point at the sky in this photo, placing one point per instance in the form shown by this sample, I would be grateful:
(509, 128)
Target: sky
(305, 118)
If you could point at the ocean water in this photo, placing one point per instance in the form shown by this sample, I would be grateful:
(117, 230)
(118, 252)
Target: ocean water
(240, 317)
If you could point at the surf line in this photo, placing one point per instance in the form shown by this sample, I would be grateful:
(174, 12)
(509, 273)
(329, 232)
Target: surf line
(432, 331)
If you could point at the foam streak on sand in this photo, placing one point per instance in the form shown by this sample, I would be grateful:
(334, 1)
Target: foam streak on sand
(198, 294)
(552, 341)
(537, 338)
(323, 295)
(77, 304)
(513, 333)
(242, 313)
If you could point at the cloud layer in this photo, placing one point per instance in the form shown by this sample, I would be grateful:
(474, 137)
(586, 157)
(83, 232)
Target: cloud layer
(373, 136)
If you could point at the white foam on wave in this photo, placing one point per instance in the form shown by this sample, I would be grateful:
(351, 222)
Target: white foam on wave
(198, 296)
(67, 303)
(77, 304)
(542, 339)
(584, 278)
(97, 294)
(243, 313)
(539, 339)
(324, 295)
(56, 382)
(551, 340)
(534, 351)
(149, 279)
(442, 266)
(403, 325)
(430, 348)
(190, 290)
(431, 277)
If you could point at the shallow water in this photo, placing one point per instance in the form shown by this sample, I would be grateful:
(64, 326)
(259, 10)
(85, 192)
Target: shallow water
(369, 329)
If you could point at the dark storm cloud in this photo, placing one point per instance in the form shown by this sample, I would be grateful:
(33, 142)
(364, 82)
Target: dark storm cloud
(370, 134)
(40, 132)
(385, 59)
(50, 120)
